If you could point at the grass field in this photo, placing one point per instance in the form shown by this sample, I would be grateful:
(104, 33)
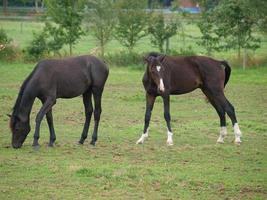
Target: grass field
(194, 168)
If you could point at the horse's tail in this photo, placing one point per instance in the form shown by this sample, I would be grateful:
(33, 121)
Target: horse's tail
(227, 70)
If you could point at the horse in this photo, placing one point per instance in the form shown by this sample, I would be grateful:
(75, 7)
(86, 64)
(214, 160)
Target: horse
(59, 78)
(175, 75)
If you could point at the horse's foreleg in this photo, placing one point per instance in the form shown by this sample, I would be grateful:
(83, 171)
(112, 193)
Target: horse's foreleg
(167, 116)
(88, 108)
(49, 119)
(47, 105)
(150, 100)
(97, 112)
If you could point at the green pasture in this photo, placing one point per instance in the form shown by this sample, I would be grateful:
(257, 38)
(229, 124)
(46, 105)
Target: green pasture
(195, 167)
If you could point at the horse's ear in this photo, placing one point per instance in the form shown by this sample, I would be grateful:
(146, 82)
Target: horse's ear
(147, 59)
(161, 57)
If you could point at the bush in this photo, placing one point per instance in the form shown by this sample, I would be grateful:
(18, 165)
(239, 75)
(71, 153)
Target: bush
(187, 51)
(38, 47)
(124, 58)
(8, 51)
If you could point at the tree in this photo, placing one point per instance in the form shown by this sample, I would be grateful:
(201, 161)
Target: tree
(132, 22)
(102, 19)
(161, 31)
(67, 15)
(231, 25)
(258, 11)
(209, 40)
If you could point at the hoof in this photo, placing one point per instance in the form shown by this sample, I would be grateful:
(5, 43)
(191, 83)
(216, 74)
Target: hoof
(142, 138)
(36, 147)
(80, 142)
(220, 140)
(92, 143)
(50, 145)
(237, 141)
(140, 141)
(36, 144)
(169, 143)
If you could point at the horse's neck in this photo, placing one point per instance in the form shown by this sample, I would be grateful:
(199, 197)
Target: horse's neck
(26, 106)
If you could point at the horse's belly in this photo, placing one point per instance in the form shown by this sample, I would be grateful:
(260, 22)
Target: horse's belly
(185, 84)
(70, 90)
(183, 91)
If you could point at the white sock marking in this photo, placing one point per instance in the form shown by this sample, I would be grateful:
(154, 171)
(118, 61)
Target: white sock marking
(237, 133)
(223, 133)
(142, 138)
(169, 138)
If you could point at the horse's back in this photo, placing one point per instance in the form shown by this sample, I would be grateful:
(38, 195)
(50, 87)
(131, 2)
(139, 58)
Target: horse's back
(191, 72)
(70, 77)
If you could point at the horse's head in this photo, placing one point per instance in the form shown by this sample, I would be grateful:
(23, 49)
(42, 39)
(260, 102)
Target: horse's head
(156, 70)
(20, 129)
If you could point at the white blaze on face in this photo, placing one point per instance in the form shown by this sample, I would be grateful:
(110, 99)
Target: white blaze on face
(161, 85)
(158, 68)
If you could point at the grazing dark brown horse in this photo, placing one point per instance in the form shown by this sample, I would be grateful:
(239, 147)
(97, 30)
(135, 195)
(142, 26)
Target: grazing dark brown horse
(52, 79)
(175, 75)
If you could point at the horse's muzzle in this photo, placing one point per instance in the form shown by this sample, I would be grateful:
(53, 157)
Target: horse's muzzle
(16, 146)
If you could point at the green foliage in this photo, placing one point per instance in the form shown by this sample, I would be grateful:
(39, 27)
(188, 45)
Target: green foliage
(161, 31)
(101, 17)
(208, 4)
(258, 12)
(8, 51)
(50, 39)
(124, 58)
(184, 51)
(4, 39)
(55, 37)
(67, 15)
(132, 22)
(209, 40)
(38, 47)
(229, 26)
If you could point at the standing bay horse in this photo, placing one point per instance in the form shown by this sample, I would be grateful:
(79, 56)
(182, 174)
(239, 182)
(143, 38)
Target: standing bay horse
(52, 79)
(175, 75)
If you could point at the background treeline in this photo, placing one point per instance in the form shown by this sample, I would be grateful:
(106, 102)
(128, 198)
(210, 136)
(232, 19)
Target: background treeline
(224, 25)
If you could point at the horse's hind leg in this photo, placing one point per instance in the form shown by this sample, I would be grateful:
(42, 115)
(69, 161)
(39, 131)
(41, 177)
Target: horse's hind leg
(49, 119)
(220, 101)
(221, 113)
(88, 108)
(97, 94)
(230, 110)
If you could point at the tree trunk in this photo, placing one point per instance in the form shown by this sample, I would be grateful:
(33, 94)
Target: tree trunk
(102, 42)
(245, 58)
(5, 3)
(167, 45)
(36, 6)
(70, 44)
